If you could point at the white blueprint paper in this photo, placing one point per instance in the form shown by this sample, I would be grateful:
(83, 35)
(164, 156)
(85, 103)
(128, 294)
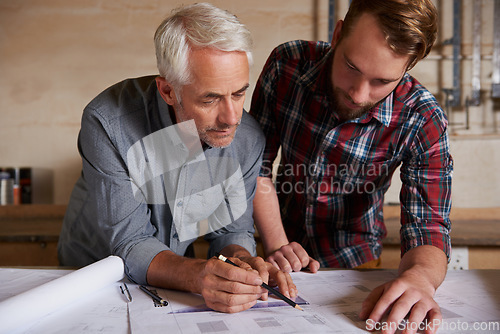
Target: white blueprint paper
(58, 298)
(334, 297)
(334, 300)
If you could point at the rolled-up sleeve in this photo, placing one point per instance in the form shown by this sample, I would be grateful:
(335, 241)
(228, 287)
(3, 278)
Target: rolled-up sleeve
(426, 192)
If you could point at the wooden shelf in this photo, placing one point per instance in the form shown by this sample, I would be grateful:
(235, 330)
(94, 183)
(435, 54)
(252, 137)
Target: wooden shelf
(469, 227)
(29, 235)
(478, 229)
(31, 222)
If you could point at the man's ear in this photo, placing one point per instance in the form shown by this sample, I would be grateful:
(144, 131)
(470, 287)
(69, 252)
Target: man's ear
(166, 90)
(336, 32)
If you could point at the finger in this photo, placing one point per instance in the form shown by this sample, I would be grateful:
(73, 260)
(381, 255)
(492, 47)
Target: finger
(417, 315)
(292, 288)
(261, 266)
(221, 290)
(213, 283)
(423, 319)
(295, 255)
(230, 309)
(271, 260)
(281, 262)
(399, 311)
(234, 274)
(434, 318)
(240, 263)
(370, 302)
(229, 304)
(285, 283)
(391, 292)
(313, 265)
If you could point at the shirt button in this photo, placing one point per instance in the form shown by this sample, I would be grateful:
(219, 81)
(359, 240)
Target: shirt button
(179, 204)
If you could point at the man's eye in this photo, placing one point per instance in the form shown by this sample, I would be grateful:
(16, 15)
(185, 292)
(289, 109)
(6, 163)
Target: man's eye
(384, 82)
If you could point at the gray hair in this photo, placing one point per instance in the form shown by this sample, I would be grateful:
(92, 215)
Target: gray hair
(197, 25)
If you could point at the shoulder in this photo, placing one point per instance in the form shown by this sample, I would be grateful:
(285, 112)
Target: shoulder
(129, 95)
(124, 112)
(417, 101)
(290, 61)
(300, 50)
(249, 141)
(249, 133)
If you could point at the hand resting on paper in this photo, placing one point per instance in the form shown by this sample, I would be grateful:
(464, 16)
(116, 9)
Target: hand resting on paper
(421, 272)
(292, 257)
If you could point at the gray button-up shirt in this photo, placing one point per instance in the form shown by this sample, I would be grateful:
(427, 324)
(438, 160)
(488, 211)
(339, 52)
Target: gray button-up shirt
(147, 186)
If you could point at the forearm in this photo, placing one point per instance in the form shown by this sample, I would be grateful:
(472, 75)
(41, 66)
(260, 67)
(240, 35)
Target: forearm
(426, 262)
(171, 271)
(267, 216)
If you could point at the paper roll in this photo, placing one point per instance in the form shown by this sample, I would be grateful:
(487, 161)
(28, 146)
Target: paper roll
(38, 302)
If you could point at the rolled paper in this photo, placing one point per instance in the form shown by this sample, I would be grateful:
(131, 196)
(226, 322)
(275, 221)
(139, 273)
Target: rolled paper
(38, 302)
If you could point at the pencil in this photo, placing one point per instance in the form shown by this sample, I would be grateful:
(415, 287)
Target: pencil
(156, 298)
(265, 286)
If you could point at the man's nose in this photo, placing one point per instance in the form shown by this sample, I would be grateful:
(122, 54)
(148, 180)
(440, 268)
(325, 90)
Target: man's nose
(360, 92)
(228, 113)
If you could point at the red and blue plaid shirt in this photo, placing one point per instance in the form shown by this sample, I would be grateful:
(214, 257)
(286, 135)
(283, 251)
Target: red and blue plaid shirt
(333, 175)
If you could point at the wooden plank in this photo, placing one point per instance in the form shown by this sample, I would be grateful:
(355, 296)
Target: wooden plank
(469, 227)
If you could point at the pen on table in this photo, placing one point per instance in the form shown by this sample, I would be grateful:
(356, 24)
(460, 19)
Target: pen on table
(155, 297)
(128, 295)
(264, 285)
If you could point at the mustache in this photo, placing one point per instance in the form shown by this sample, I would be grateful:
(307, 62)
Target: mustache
(348, 97)
(223, 127)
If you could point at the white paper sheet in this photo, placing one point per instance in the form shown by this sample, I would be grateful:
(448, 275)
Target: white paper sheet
(467, 298)
(21, 310)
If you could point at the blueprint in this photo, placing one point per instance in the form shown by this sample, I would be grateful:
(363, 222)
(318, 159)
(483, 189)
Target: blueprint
(331, 300)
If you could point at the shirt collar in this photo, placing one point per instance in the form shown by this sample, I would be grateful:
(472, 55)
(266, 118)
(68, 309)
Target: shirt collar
(383, 111)
(166, 119)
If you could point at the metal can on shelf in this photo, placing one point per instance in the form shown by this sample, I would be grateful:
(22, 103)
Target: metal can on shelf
(6, 189)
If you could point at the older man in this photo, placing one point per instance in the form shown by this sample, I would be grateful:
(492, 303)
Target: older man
(169, 158)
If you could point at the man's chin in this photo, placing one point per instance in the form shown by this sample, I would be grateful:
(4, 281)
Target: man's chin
(346, 114)
(219, 142)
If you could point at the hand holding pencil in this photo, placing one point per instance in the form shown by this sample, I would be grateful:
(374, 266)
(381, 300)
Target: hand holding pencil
(268, 288)
(227, 288)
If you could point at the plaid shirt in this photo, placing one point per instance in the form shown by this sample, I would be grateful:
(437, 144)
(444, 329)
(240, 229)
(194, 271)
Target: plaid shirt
(333, 176)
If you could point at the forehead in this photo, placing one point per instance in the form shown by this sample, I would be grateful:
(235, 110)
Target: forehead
(218, 71)
(367, 48)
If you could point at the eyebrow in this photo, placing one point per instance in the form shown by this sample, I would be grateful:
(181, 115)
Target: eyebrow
(350, 63)
(217, 95)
